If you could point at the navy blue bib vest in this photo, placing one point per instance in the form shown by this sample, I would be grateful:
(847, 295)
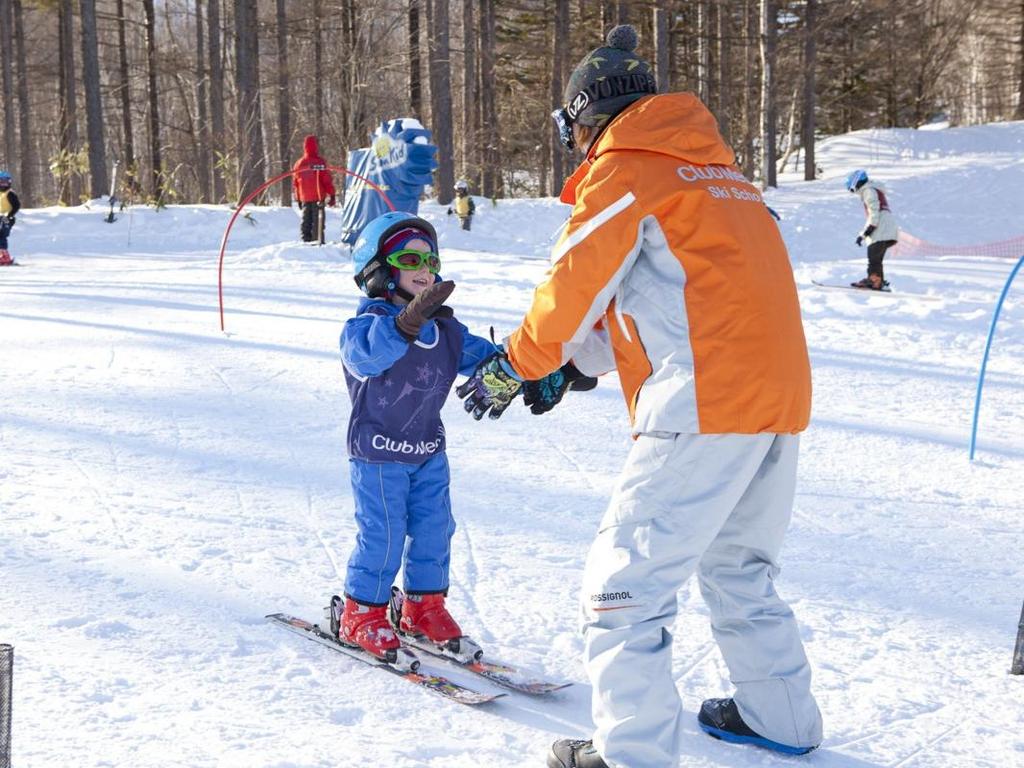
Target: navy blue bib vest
(396, 416)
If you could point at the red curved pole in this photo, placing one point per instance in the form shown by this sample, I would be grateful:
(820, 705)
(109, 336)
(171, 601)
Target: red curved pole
(249, 198)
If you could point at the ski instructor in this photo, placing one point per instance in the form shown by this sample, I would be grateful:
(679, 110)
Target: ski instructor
(672, 271)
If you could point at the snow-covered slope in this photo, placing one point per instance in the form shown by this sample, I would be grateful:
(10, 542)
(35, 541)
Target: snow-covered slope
(163, 486)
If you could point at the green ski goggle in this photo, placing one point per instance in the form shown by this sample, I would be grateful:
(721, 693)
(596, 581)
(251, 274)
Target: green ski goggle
(409, 259)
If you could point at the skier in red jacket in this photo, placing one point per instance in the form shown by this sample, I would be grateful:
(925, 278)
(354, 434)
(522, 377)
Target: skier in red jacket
(313, 187)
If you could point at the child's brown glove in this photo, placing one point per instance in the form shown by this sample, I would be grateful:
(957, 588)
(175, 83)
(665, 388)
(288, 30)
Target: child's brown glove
(422, 308)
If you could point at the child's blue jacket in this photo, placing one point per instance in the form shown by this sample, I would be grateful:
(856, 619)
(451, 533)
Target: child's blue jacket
(397, 388)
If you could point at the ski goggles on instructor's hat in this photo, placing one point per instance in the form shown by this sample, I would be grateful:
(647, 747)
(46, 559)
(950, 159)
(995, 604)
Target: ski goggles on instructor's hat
(411, 259)
(564, 124)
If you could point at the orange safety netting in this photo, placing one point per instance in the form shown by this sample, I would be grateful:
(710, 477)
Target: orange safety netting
(910, 247)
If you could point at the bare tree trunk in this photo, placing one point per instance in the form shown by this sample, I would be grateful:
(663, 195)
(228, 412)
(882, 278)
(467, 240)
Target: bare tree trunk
(441, 101)
(1019, 113)
(217, 138)
(318, 71)
(156, 161)
(131, 170)
(98, 183)
(415, 88)
(6, 39)
(283, 101)
(203, 159)
(72, 191)
(724, 18)
(703, 52)
(492, 182)
(469, 152)
(559, 65)
(247, 80)
(480, 150)
(891, 110)
(353, 98)
(768, 38)
(749, 113)
(810, 101)
(662, 71)
(28, 168)
(791, 130)
(609, 18)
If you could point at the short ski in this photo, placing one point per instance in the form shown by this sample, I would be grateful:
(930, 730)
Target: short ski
(496, 672)
(413, 671)
(469, 657)
(883, 292)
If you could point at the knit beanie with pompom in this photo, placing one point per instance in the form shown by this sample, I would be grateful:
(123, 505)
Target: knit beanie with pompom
(608, 79)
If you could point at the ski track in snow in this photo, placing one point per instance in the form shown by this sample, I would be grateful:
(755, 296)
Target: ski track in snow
(165, 485)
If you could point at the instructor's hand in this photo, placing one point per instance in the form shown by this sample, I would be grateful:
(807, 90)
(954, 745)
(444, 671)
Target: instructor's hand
(544, 394)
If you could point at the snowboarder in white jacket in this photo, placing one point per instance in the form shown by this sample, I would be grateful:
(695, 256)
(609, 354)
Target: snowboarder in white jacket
(880, 230)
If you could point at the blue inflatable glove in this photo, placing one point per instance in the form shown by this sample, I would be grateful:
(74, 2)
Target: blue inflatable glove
(418, 150)
(401, 161)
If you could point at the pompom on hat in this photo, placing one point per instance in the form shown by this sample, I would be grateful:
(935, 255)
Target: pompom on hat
(608, 79)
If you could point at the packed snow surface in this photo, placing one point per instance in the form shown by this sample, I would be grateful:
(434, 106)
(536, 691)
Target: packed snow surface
(164, 485)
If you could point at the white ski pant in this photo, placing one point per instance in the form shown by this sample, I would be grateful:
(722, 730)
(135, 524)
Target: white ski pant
(718, 505)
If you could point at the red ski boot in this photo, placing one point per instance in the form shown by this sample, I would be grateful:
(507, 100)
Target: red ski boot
(425, 616)
(5, 258)
(427, 625)
(367, 627)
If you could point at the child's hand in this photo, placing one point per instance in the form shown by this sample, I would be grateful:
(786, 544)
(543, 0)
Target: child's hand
(422, 308)
(493, 386)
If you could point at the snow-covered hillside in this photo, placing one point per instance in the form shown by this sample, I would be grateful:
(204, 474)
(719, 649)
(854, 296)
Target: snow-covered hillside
(164, 485)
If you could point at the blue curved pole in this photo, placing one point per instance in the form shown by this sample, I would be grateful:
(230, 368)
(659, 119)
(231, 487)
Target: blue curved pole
(988, 346)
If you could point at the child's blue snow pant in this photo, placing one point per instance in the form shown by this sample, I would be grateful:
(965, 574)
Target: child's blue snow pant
(401, 510)
(5, 230)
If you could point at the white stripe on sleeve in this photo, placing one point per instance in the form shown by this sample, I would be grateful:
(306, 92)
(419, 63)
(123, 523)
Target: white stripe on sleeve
(583, 232)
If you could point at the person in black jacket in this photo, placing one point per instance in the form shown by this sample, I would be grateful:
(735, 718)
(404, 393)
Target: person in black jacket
(9, 206)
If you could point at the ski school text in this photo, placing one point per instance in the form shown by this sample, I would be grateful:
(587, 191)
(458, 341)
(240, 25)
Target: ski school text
(691, 173)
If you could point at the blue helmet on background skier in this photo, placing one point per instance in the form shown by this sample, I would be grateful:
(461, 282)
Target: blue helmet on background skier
(374, 276)
(5, 180)
(856, 180)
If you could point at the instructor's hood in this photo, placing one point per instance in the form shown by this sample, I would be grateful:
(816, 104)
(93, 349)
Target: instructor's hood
(310, 147)
(673, 124)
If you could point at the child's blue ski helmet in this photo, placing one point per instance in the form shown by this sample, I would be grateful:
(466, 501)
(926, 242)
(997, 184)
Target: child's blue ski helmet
(856, 180)
(5, 180)
(372, 273)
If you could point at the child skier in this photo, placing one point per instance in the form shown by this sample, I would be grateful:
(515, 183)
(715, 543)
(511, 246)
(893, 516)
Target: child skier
(9, 206)
(463, 204)
(880, 230)
(313, 188)
(401, 353)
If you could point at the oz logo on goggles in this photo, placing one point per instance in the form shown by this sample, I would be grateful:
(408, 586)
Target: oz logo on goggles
(410, 259)
(564, 117)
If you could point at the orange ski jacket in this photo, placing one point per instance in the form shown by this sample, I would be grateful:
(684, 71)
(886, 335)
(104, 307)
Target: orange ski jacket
(311, 186)
(672, 271)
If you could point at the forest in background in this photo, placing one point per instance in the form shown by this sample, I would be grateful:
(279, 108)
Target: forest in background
(202, 100)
